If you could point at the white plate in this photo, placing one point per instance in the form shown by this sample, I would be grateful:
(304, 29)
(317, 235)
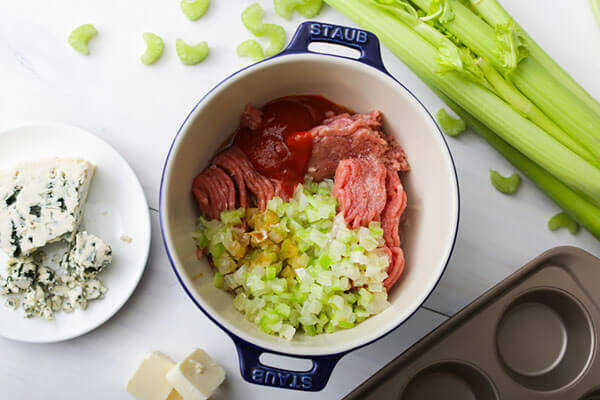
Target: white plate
(116, 207)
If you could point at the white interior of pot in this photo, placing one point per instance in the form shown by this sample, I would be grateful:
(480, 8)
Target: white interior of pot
(428, 229)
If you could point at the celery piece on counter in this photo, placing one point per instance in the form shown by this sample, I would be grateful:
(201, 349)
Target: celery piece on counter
(250, 48)
(191, 54)
(154, 48)
(506, 185)
(562, 220)
(80, 36)
(306, 8)
(194, 9)
(252, 20)
(450, 126)
(276, 35)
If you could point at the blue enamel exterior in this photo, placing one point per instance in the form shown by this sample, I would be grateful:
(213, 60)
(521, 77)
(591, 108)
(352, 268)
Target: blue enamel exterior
(251, 368)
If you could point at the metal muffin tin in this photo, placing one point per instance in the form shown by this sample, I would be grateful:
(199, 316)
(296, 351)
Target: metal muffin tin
(533, 336)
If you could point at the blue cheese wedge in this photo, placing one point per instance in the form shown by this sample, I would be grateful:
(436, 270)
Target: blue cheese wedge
(42, 202)
(88, 256)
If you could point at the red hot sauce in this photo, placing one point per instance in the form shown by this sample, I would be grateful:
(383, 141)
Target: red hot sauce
(281, 145)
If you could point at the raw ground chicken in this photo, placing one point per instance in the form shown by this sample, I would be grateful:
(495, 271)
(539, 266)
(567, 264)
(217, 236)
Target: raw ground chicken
(368, 191)
(347, 136)
(352, 148)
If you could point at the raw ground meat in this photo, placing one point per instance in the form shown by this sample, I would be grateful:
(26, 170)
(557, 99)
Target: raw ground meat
(237, 164)
(230, 161)
(346, 136)
(214, 191)
(396, 267)
(232, 182)
(279, 189)
(353, 148)
(395, 206)
(360, 188)
(251, 117)
(368, 191)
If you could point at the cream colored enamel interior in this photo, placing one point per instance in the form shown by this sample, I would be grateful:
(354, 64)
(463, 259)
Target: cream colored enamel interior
(430, 222)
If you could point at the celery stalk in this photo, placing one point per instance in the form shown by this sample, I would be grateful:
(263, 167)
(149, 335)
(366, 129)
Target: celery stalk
(521, 133)
(477, 35)
(573, 204)
(493, 13)
(559, 104)
(449, 55)
(530, 76)
(511, 95)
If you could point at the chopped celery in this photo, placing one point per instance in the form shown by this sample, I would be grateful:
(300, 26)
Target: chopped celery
(154, 48)
(191, 54)
(218, 281)
(562, 220)
(304, 281)
(80, 36)
(233, 217)
(506, 185)
(194, 9)
(450, 126)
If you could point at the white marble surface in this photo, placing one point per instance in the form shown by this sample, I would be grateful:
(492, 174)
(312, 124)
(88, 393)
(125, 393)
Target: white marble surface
(138, 109)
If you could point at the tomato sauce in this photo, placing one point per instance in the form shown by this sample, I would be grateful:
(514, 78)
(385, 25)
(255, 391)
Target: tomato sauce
(281, 146)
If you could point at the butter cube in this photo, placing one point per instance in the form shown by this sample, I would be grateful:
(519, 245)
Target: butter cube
(149, 381)
(197, 376)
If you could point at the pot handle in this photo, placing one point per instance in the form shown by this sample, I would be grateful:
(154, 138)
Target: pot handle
(358, 39)
(254, 371)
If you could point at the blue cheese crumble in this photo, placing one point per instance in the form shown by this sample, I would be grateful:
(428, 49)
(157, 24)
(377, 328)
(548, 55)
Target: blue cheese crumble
(88, 257)
(43, 291)
(42, 202)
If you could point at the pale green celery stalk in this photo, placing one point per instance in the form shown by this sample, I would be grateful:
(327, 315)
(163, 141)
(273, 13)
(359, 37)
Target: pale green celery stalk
(492, 12)
(521, 133)
(558, 103)
(511, 95)
(572, 203)
(449, 56)
(529, 76)
(474, 33)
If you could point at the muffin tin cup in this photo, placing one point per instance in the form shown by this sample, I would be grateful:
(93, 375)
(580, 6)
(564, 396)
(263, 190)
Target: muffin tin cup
(545, 339)
(533, 336)
(457, 377)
